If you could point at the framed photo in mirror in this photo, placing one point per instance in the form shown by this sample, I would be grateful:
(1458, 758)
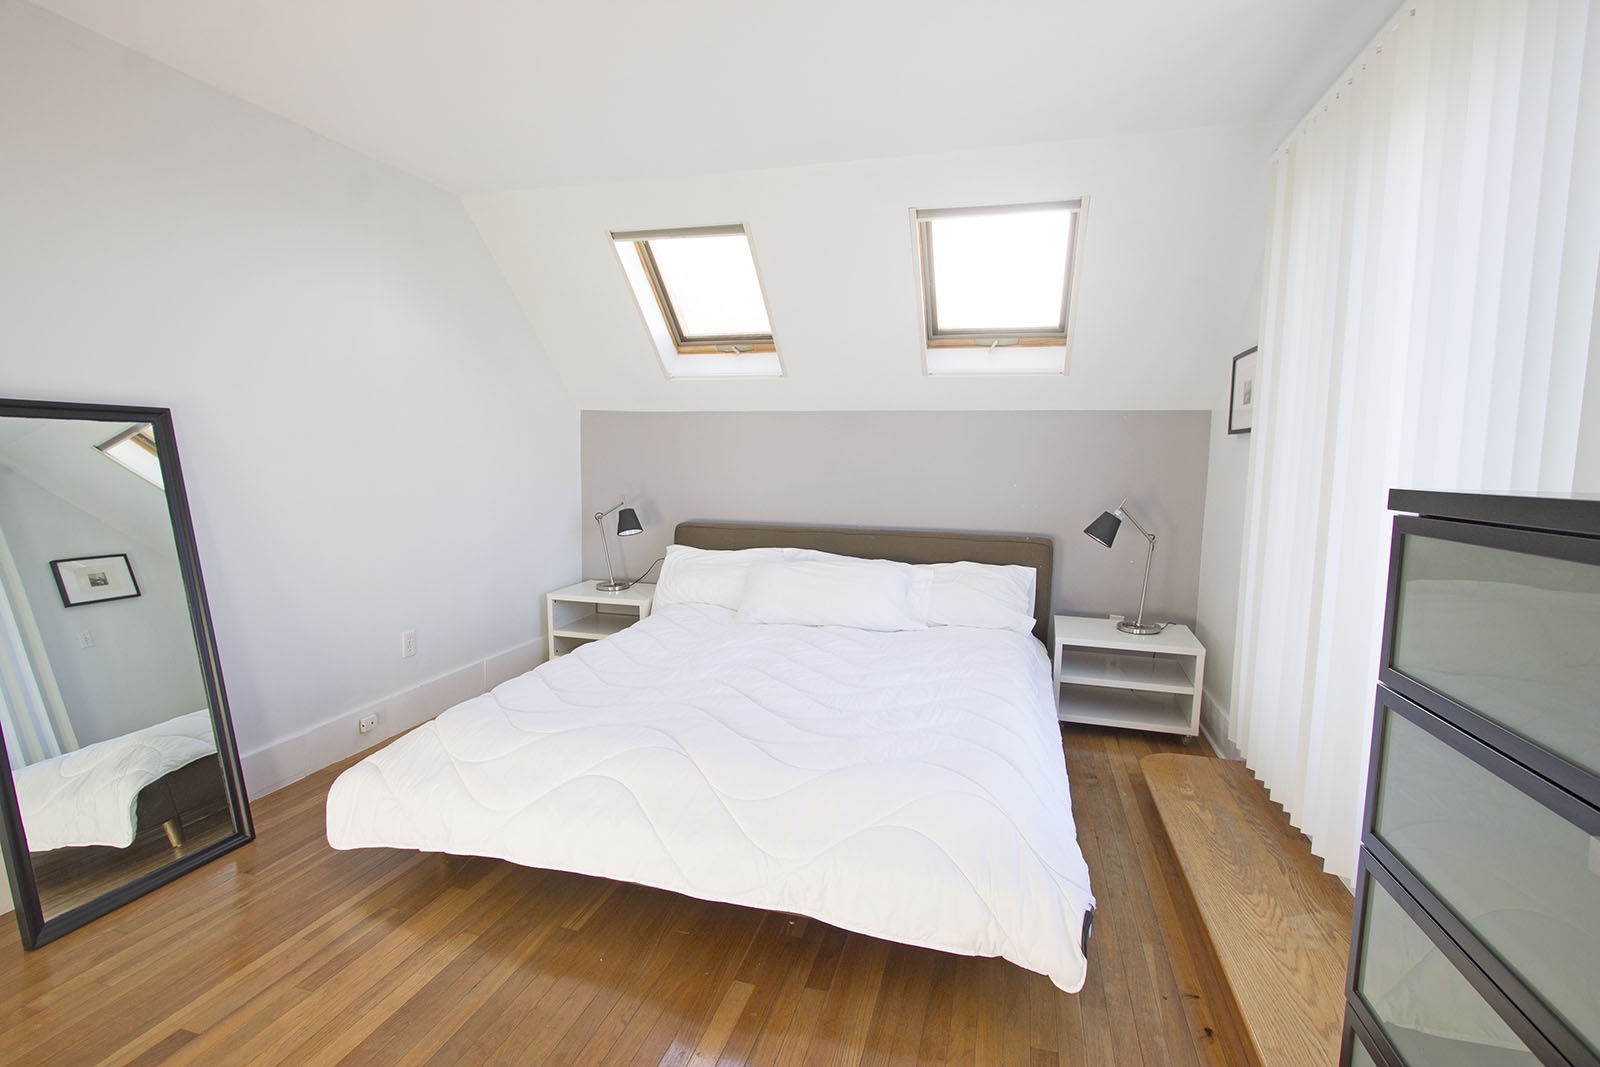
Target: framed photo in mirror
(91, 579)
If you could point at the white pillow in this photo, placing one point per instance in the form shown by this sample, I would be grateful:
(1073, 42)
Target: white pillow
(868, 594)
(707, 576)
(987, 595)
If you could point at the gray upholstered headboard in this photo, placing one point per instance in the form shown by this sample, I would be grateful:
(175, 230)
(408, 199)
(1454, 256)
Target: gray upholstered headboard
(906, 546)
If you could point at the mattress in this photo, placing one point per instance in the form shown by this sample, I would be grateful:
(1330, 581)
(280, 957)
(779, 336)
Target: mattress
(909, 786)
(91, 796)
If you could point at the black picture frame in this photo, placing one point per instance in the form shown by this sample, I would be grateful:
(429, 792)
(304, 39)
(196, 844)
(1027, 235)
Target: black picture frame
(76, 593)
(1242, 401)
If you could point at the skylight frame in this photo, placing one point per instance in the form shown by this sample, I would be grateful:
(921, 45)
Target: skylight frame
(1057, 336)
(735, 344)
(140, 436)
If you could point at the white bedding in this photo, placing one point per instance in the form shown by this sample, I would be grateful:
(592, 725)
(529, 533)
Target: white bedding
(91, 796)
(906, 785)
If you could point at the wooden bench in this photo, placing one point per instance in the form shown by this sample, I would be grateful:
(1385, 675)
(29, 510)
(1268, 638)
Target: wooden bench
(1278, 925)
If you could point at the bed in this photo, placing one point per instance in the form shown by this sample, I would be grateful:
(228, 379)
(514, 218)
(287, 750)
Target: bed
(899, 777)
(109, 792)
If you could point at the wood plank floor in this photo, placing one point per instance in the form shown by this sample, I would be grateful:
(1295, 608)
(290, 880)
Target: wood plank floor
(1278, 926)
(289, 952)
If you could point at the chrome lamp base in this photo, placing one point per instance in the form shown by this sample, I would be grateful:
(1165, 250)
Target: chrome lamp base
(611, 587)
(1143, 629)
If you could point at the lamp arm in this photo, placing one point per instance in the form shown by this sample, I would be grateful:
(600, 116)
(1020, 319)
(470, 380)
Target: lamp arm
(1148, 559)
(602, 514)
(611, 577)
(1147, 534)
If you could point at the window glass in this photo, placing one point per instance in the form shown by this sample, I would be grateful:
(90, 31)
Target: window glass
(999, 272)
(701, 298)
(710, 281)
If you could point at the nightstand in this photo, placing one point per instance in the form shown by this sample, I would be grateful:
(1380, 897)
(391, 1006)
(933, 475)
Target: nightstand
(581, 613)
(1105, 677)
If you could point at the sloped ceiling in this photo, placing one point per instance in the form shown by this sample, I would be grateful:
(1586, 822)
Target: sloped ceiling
(486, 95)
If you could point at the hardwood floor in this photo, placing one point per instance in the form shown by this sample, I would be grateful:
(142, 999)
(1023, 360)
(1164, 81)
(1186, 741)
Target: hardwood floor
(289, 952)
(1277, 924)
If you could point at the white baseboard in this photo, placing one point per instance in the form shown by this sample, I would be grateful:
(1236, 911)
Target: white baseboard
(1214, 722)
(271, 767)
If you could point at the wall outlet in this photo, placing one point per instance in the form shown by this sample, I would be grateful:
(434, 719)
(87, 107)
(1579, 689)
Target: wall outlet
(408, 644)
(368, 723)
(85, 639)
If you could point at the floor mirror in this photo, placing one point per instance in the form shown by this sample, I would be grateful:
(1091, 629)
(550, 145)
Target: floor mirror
(122, 772)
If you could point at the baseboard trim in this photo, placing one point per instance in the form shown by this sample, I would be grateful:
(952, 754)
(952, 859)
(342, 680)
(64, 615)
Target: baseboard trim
(1214, 721)
(287, 760)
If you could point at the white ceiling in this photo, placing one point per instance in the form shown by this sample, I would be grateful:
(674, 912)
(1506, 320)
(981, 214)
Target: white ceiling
(482, 95)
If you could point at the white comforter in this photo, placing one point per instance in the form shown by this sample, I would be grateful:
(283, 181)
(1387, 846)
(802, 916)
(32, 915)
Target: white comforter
(907, 785)
(91, 796)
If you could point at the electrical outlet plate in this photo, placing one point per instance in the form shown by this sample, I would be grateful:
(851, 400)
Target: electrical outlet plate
(368, 723)
(408, 644)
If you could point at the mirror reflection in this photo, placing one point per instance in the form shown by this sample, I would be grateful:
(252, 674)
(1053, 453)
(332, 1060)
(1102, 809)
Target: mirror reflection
(108, 731)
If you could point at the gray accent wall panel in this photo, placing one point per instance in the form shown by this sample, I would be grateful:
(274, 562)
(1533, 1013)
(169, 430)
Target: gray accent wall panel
(1034, 472)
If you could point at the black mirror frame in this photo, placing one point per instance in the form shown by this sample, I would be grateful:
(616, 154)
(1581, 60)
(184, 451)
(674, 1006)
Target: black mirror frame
(36, 930)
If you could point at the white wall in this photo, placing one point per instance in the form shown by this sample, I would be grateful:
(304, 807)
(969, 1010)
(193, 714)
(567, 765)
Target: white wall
(372, 437)
(1170, 249)
(1227, 476)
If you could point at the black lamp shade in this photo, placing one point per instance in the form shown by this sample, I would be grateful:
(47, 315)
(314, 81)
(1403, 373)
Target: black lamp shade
(628, 523)
(1104, 529)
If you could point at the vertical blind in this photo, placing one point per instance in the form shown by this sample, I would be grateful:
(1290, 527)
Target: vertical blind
(1430, 291)
(32, 715)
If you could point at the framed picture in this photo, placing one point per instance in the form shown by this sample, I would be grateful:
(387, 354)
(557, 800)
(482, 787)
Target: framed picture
(1242, 395)
(91, 579)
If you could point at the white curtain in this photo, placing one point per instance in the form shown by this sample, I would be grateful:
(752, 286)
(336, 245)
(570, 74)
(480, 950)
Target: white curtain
(1430, 291)
(32, 714)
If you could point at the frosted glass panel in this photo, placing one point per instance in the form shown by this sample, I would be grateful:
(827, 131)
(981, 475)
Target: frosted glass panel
(1431, 1014)
(1511, 635)
(1526, 880)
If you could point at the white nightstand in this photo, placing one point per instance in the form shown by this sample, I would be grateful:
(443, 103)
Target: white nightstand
(1105, 677)
(581, 613)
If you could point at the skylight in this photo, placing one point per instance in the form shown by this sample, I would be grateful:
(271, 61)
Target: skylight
(711, 287)
(705, 283)
(998, 277)
(701, 299)
(135, 449)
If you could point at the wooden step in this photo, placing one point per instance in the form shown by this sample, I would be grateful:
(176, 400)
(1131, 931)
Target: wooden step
(1278, 924)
